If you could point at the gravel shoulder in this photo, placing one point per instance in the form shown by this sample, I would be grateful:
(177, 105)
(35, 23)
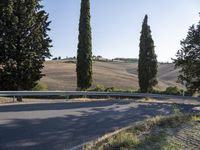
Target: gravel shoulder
(187, 137)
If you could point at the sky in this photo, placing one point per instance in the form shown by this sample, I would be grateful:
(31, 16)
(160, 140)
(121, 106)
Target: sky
(116, 26)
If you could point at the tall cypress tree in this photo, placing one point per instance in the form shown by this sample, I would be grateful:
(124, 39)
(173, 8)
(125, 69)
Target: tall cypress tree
(84, 55)
(24, 43)
(147, 66)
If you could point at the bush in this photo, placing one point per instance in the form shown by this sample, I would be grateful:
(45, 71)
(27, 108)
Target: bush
(40, 86)
(155, 91)
(110, 89)
(174, 90)
(98, 88)
(101, 88)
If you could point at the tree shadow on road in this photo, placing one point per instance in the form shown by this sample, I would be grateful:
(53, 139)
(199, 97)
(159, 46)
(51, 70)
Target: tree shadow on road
(61, 133)
(58, 106)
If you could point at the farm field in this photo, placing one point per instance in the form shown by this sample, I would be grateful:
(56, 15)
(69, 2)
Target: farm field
(62, 76)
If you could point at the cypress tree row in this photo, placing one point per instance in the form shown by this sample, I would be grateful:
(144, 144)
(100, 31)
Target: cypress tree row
(24, 43)
(147, 66)
(84, 54)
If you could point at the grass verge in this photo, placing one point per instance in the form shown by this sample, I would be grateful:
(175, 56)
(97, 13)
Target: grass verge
(154, 133)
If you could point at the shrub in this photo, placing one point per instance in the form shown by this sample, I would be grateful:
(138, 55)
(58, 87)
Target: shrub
(98, 88)
(155, 91)
(110, 89)
(176, 110)
(174, 90)
(40, 86)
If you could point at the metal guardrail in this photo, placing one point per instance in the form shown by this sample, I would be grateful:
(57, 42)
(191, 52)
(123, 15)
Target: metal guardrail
(89, 93)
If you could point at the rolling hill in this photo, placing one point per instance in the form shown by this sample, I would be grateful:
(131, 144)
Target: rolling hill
(61, 75)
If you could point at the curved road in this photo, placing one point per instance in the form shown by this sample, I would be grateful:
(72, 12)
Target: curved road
(62, 126)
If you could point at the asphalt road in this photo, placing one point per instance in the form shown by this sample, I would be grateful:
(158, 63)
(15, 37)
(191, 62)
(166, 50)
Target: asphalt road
(61, 126)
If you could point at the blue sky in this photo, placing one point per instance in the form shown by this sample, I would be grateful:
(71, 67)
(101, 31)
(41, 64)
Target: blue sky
(116, 25)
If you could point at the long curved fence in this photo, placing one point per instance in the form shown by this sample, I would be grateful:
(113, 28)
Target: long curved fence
(90, 93)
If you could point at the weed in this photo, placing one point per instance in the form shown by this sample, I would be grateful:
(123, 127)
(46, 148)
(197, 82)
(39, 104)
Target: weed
(195, 118)
(176, 110)
(123, 139)
(172, 145)
(155, 140)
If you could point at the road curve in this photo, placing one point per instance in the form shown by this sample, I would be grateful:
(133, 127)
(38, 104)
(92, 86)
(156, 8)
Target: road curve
(62, 126)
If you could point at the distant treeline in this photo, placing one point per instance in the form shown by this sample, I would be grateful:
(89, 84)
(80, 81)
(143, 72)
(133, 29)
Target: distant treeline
(100, 58)
(126, 59)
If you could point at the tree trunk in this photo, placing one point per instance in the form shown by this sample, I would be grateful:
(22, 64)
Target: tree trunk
(19, 99)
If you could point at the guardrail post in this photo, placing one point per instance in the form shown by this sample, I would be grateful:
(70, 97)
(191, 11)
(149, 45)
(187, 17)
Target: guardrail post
(13, 99)
(67, 97)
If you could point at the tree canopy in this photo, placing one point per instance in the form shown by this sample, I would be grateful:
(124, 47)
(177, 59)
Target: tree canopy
(188, 59)
(84, 54)
(147, 64)
(24, 43)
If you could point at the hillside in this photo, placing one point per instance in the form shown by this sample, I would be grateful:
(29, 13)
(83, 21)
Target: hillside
(62, 76)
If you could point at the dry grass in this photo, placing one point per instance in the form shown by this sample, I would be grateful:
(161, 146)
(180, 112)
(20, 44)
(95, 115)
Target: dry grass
(7, 100)
(62, 76)
(4, 100)
(196, 118)
(170, 101)
(150, 134)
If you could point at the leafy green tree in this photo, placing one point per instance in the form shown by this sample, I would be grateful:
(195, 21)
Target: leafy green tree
(84, 55)
(24, 43)
(147, 66)
(188, 59)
